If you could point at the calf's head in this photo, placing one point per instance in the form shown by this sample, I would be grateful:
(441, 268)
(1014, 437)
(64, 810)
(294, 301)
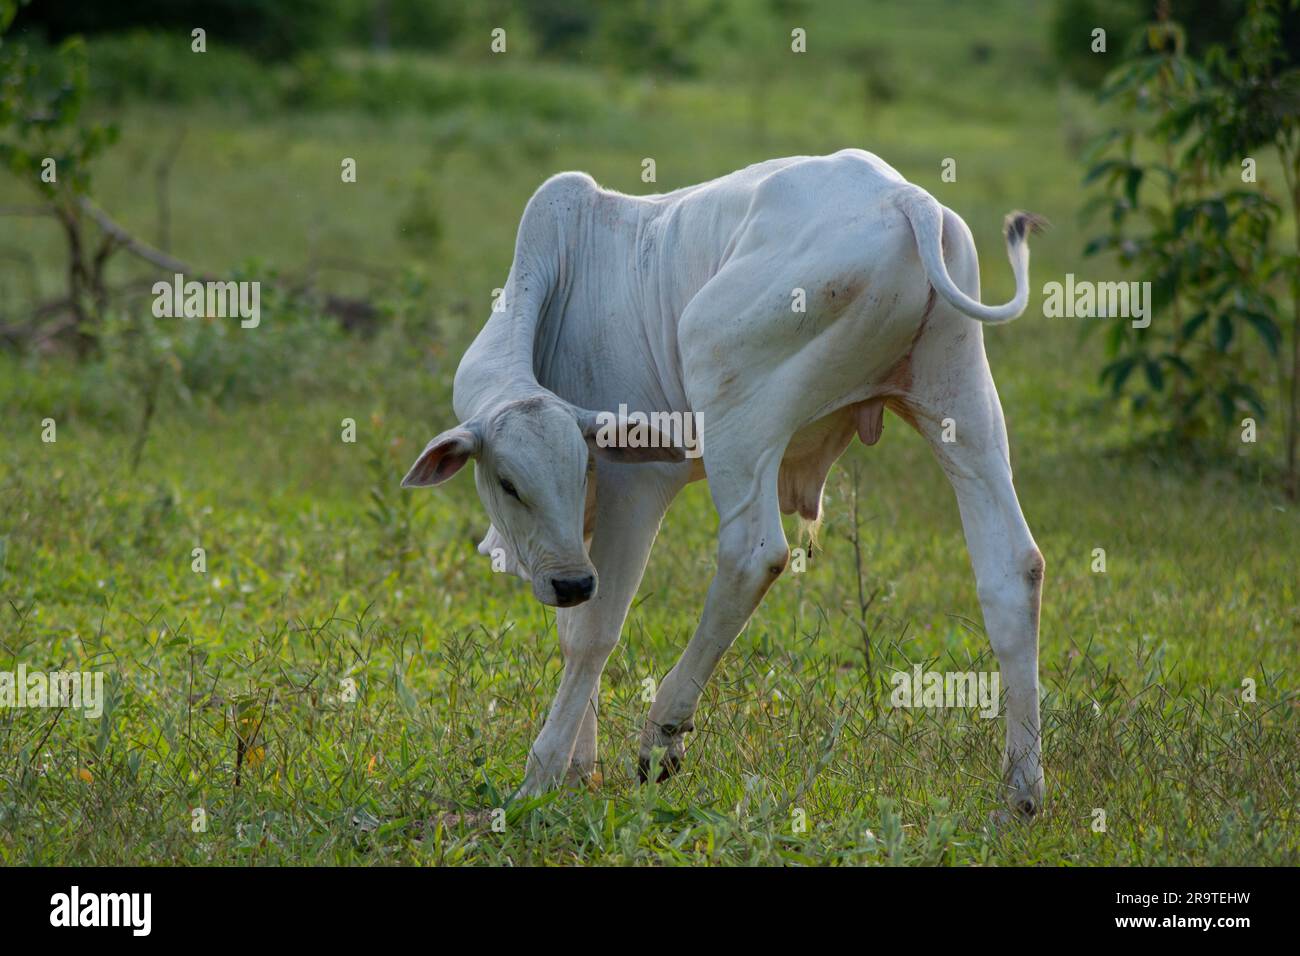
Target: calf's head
(531, 460)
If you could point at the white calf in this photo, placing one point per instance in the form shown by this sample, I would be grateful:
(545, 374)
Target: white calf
(687, 302)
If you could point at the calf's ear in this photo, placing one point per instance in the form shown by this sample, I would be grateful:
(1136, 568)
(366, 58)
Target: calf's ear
(443, 457)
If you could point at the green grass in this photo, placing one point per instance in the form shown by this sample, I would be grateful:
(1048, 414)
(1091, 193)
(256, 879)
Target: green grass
(320, 569)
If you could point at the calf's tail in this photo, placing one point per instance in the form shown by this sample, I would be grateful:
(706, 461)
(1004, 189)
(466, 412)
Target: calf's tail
(926, 218)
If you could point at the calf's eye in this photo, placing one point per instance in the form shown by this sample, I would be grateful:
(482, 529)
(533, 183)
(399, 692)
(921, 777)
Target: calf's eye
(509, 488)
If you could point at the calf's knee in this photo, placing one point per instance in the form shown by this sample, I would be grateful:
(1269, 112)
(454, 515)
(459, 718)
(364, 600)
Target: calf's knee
(1010, 601)
(1035, 567)
(587, 644)
(751, 567)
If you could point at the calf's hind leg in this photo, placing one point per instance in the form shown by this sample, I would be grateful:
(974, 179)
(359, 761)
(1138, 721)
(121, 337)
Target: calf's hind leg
(1007, 563)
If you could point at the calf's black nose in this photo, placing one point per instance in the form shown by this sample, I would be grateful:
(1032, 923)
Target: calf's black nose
(570, 591)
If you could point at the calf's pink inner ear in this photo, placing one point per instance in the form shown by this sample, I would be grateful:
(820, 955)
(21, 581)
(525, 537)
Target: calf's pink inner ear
(443, 457)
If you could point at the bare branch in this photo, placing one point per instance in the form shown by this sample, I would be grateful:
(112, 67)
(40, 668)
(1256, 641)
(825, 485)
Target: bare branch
(128, 242)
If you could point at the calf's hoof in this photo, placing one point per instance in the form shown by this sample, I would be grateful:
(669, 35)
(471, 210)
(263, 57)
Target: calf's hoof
(1025, 795)
(542, 774)
(669, 742)
(581, 769)
(668, 765)
(583, 775)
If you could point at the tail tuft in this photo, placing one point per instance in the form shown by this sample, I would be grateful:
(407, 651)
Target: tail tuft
(1018, 221)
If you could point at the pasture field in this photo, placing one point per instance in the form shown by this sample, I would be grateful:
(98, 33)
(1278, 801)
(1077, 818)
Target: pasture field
(321, 571)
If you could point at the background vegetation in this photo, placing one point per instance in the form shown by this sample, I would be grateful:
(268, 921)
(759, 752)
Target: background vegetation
(176, 434)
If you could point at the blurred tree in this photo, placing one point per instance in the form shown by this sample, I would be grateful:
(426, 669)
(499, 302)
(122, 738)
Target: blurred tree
(1250, 103)
(272, 29)
(420, 24)
(47, 145)
(1206, 240)
(1204, 23)
(563, 28)
(661, 37)
(1071, 36)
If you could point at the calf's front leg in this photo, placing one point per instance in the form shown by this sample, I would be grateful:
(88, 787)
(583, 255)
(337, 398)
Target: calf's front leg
(629, 508)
